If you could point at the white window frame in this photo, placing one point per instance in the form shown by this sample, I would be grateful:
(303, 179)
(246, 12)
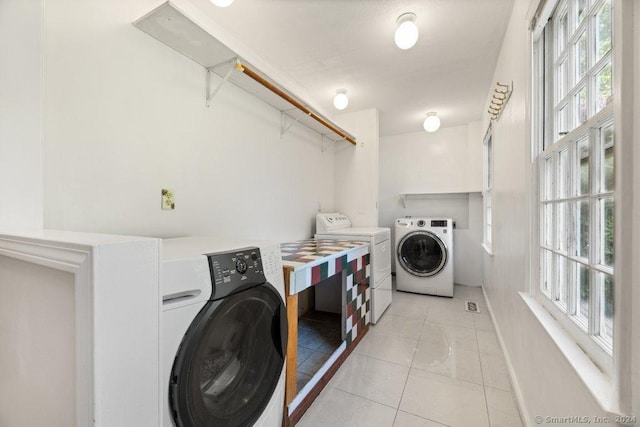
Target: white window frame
(584, 331)
(567, 54)
(548, 143)
(487, 185)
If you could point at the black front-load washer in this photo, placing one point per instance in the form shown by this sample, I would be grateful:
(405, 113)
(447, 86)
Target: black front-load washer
(231, 357)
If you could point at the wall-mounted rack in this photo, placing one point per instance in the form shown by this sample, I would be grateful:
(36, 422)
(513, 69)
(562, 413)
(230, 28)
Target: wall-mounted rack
(502, 94)
(175, 29)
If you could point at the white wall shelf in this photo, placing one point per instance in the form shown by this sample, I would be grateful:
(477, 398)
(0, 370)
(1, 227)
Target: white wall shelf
(404, 197)
(174, 28)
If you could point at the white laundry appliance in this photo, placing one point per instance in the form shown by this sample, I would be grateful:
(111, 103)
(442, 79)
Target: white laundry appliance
(338, 226)
(424, 255)
(224, 333)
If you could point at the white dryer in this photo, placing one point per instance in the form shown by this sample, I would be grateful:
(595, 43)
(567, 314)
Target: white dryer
(338, 226)
(424, 256)
(224, 333)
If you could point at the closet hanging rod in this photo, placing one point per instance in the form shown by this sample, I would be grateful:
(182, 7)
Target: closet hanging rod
(264, 82)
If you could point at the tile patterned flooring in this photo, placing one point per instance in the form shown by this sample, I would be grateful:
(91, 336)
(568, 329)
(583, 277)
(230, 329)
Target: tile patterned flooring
(318, 337)
(426, 363)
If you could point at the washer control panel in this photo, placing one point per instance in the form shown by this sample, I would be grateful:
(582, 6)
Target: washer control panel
(439, 223)
(425, 222)
(233, 271)
(331, 221)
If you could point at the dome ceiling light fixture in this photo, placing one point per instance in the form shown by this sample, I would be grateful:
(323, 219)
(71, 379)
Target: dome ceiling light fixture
(407, 32)
(222, 3)
(432, 122)
(340, 101)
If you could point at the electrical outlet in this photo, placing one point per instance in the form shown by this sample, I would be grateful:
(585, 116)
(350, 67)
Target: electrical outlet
(168, 199)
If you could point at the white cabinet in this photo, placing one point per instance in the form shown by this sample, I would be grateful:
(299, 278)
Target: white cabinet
(79, 317)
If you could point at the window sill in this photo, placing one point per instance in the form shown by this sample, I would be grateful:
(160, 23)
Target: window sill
(596, 381)
(487, 249)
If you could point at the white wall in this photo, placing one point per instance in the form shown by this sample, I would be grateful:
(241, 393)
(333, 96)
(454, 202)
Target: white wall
(449, 160)
(356, 169)
(467, 259)
(544, 380)
(21, 185)
(627, 215)
(634, 277)
(126, 117)
(475, 144)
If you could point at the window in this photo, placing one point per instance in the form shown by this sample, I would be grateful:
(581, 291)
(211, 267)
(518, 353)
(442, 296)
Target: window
(576, 172)
(486, 190)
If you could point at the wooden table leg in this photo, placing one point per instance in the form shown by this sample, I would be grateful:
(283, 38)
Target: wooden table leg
(291, 388)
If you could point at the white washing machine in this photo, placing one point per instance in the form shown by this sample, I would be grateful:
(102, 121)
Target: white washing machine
(224, 333)
(424, 256)
(338, 226)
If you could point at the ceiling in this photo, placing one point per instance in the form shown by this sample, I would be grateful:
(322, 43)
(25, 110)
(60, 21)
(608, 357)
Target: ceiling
(330, 44)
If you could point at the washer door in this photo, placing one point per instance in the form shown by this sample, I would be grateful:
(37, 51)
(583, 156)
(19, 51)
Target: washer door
(422, 253)
(230, 360)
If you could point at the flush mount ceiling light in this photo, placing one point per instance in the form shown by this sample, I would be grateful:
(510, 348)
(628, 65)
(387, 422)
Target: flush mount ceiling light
(340, 101)
(432, 122)
(407, 32)
(222, 3)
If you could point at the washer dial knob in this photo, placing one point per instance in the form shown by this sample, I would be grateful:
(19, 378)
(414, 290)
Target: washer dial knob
(241, 266)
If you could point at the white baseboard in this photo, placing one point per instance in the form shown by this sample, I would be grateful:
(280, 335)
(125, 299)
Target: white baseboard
(524, 414)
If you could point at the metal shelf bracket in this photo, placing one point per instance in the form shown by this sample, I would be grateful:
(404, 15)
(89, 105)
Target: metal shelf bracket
(284, 128)
(211, 94)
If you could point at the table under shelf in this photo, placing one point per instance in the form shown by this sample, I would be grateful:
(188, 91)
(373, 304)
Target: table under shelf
(307, 263)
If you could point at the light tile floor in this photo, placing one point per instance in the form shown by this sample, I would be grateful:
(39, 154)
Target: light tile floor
(427, 362)
(318, 337)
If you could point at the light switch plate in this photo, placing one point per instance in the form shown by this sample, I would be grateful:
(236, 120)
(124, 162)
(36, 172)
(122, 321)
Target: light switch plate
(168, 201)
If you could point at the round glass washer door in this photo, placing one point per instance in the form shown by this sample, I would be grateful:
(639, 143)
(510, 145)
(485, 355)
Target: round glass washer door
(422, 253)
(230, 360)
